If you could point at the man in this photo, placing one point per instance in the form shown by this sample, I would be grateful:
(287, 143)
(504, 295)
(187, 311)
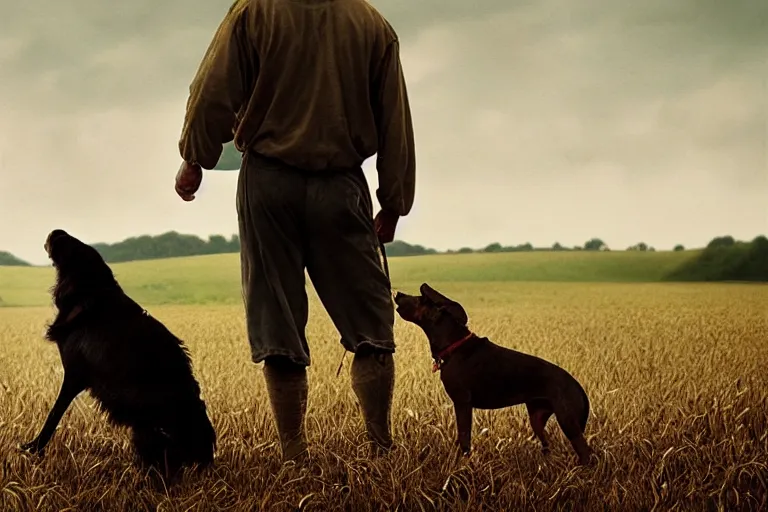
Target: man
(308, 89)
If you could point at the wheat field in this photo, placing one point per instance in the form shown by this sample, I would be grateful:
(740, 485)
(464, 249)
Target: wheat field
(676, 375)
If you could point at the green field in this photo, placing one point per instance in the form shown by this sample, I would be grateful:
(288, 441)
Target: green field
(675, 374)
(216, 279)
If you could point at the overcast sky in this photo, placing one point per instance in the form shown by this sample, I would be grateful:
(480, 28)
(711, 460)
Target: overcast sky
(553, 120)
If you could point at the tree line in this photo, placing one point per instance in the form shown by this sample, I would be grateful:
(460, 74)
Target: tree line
(167, 245)
(173, 244)
(724, 258)
(148, 247)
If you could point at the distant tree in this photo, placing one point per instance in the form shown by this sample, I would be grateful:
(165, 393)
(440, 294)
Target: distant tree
(400, 248)
(642, 246)
(494, 247)
(651, 249)
(218, 244)
(678, 248)
(465, 250)
(230, 159)
(577, 248)
(721, 241)
(722, 260)
(557, 247)
(755, 264)
(595, 244)
(525, 247)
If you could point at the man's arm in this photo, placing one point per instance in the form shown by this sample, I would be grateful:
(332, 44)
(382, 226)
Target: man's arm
(396, 158)
(218, 90)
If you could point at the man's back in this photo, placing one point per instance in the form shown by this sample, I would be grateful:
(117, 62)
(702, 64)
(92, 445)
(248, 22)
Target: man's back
(311, 104)
(316, 84)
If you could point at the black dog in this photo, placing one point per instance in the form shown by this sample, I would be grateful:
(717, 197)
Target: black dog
(479, 374)
(135, 368)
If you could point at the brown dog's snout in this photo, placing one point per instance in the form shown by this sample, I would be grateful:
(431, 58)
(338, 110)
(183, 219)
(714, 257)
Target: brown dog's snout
(402, 299)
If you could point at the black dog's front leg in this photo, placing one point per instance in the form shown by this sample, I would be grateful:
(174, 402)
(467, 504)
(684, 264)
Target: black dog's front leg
(69, 390)
(464, 426)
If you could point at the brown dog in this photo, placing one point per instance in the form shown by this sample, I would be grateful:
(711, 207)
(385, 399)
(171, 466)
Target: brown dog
(478, 374)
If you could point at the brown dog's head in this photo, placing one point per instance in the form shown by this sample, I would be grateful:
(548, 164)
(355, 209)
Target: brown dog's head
(430, 309)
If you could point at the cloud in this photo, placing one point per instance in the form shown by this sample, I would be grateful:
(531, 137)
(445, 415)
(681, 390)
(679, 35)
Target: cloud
(535, 121)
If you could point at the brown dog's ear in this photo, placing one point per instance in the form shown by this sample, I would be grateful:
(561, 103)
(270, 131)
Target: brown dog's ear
(433, 294)
(452, 307)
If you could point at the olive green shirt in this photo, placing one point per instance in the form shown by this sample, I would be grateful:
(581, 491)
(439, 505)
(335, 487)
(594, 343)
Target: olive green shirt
(317, 84)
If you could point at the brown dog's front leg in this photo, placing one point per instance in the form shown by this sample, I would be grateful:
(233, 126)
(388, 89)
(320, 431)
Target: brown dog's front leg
(69, 390)
(464, 426)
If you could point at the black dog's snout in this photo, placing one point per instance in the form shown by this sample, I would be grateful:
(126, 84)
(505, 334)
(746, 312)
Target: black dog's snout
(399, 295)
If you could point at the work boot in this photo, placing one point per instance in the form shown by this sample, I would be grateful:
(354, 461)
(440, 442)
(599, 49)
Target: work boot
(373, 380)
(287, 389)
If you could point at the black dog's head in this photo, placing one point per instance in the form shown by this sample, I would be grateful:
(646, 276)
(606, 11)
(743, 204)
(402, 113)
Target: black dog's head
(67, 252)
(80, 268)
(431, 309)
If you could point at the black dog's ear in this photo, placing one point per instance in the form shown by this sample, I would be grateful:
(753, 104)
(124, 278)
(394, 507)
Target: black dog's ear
(452, 307)
(56, 233)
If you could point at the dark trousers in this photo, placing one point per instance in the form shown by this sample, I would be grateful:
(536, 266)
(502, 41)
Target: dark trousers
(291, 220)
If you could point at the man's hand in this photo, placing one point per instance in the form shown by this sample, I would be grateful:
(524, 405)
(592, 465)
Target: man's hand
(188, 180)
(385, 223)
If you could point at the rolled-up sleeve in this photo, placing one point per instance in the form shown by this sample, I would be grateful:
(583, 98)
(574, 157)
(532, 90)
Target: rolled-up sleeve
(396, 158)
(218, 90)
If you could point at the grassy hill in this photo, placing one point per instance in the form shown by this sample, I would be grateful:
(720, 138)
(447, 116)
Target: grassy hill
(8, 259)
(215, 279)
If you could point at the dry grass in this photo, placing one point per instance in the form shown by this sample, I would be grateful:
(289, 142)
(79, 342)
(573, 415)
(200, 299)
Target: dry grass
(676, 375)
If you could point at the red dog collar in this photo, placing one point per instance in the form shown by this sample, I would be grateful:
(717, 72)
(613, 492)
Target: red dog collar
(440, 359)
